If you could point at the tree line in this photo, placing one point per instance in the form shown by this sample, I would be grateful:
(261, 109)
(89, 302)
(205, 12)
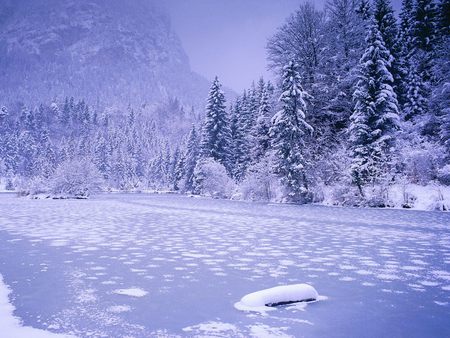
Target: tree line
(361, 103)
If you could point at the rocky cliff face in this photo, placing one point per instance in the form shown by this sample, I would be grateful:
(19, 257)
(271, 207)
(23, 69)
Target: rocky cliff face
(110, 51)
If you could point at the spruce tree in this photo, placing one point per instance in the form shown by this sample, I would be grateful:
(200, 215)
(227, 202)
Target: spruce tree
(375, 116)
(215, 140)
(425, 30)
(288, 132)
(242, 137)
(262, 128)
(191, 158)
(386, 22)
(387, 25)
(405, 48)
(416, 103)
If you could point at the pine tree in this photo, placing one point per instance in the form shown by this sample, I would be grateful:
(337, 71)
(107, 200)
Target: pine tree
(215, 141)
(178, 169)
(386, 22)
(288, 131)
(262, 128)
(405, 48)
(364, 9)
(441, 93)
(425, 30)
(416, 104)
(375, 116)
(387, 25)
(241, 138)
(191, 158)
(345, 38)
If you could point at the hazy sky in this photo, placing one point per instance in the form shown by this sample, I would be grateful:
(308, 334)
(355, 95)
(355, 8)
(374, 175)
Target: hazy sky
(228, 37)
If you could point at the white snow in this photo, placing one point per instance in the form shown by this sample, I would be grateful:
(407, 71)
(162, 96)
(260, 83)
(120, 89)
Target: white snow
(261, 330)
(11, 327)
(119, 308)
(261, 300)
(213, 328)
(132, 292)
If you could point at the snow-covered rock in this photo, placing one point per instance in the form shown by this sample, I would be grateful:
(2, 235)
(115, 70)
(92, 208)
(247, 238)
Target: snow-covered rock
(263, 300)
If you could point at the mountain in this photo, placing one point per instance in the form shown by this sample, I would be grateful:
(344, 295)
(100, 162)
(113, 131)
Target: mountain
(112, 52)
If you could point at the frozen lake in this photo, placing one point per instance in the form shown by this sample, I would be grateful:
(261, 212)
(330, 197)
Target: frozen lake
(162, 265)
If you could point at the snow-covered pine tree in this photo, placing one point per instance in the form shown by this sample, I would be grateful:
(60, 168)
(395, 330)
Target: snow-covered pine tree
(345, 43)
(386, 22)
(441, 92)
(215, 142)
(364, 9)
(416, 104)
(242, 137)
(425, 30)
(288, 132)
(191, 157)
(262, 127)
(405, 47)
(375, 117)
(424, 57)
(387, 25)
(178, 171)
(101, 155)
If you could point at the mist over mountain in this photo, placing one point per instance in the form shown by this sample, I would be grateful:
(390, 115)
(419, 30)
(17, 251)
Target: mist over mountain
(111, 52)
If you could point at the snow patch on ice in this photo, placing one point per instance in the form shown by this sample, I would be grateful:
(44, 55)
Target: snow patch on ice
(132, 292)
(119, 308)
(213, 328)
(262, 330)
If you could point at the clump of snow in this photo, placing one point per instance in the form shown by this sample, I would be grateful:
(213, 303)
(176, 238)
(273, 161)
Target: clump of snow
(265, 300)
(213, 329)
(132, 292)
(119, 308)
(262, 330)
(11, 326)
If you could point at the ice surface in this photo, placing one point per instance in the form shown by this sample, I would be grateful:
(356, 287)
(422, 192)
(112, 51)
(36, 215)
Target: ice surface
(385, 271)
(11, 327)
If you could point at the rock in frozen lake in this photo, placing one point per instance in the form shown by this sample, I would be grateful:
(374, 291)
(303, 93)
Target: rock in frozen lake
(280, 295)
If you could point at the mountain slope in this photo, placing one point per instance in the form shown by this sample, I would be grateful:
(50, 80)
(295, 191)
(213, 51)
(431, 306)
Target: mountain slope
(110, 51)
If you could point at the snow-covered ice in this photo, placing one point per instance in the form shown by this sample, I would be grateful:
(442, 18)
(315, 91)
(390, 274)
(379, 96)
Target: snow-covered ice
(11, 327)
(385, 272)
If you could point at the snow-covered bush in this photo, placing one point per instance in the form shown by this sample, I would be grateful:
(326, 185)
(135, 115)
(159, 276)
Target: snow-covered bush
(211, 179)
(260, 183)
(345, 195)
(378, 197)
(420, 161)
(440, 203)
(32, 186)
(77, 178)
(443, 175)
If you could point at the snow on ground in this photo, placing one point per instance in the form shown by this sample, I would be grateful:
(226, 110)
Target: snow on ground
(11, 327)
(386, 272)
